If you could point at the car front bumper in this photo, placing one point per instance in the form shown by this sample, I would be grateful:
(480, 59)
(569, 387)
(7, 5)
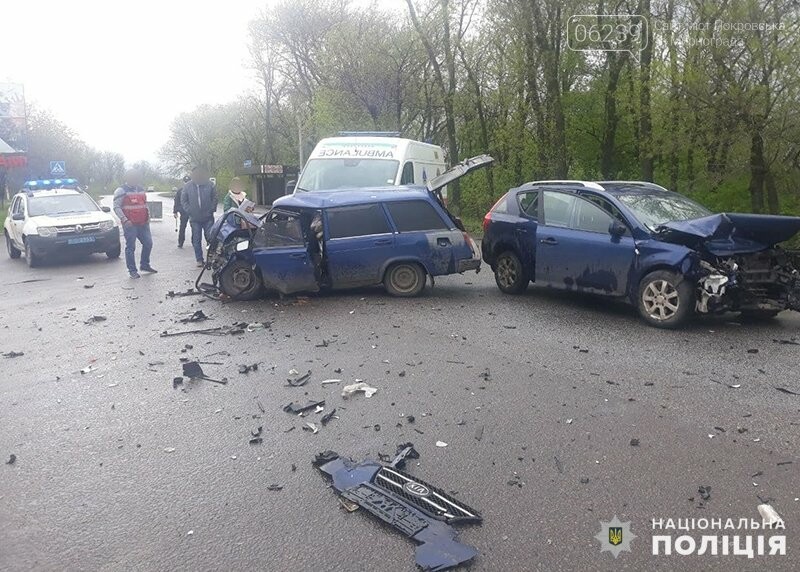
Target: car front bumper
(87, 243)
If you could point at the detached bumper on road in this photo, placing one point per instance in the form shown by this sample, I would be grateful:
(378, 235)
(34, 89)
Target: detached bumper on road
(88, 243)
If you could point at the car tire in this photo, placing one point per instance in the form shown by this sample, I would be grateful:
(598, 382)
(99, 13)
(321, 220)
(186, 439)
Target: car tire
(509, 274)
(32, 260)
(405, 279)
(13, 252)
(665, 299)
(241, 281)
(114, 252)
(758, 315)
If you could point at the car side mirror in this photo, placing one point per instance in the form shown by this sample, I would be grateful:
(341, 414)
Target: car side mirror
(290, 187)
(18, 216)
(617, 229)
(105, 209)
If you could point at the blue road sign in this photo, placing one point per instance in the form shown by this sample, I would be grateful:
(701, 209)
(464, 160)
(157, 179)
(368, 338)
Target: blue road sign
(58, 168)
(248, 163)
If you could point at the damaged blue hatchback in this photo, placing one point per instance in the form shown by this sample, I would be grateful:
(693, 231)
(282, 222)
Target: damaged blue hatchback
(663, 252)
(342, 239)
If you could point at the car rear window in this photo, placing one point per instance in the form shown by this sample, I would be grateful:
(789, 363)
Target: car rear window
(361, 220)
(410, 216)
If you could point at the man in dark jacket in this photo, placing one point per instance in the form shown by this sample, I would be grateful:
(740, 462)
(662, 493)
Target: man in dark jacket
(199, 200)
(130, 205)
(177, 210)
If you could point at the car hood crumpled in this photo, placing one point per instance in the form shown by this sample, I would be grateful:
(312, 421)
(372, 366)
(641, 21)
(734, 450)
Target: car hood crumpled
(727, 234)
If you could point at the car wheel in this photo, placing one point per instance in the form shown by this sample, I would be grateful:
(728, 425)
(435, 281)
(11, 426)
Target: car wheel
(405, 279)
(114, 252)
(13, 251)
(665, 299)
(509, 273)
(240, 281)
(30, 257)
(757, 315)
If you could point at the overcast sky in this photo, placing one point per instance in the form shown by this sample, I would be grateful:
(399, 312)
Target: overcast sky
(119, 72)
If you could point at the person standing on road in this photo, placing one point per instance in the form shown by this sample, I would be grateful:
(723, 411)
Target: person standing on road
(235, 196)
(179, 212)
(199, 200)
(130, 206)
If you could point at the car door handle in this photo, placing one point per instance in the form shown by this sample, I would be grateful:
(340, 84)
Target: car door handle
(549, 240)
(383, 242)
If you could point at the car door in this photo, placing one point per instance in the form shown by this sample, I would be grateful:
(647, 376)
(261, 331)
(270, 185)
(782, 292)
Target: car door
(575, 249)
(358, 241)
(422, 234)
(281, 253)
(17, 208)
(524, 228)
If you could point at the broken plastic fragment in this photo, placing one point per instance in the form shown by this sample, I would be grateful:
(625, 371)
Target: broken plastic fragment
(769, 515)
(311, 427)
(328, 381)
(441, 444)
(169, 449)
(299, 381)
(12, 458)
(298, 408)
(328, 416)
(13, 354)
(349, 390)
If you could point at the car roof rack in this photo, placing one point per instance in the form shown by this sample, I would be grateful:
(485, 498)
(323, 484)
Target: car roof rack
(643, 184)
(566, 183)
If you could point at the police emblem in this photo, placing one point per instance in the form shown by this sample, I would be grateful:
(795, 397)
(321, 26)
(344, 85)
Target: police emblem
(615, 536)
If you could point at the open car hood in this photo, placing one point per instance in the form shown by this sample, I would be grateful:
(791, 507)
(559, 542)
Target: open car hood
(727, 234)
(459, 170)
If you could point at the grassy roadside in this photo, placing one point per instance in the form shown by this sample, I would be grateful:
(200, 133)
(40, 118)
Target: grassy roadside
(4, 211)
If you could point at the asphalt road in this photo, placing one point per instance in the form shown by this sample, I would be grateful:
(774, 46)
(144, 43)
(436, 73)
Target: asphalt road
(116, 470)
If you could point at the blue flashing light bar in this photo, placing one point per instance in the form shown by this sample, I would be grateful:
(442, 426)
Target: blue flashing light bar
(43, 184)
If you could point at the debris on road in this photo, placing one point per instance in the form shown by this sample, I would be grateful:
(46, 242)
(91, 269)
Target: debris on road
(13, 354)
(404, 452)
(95, 319)
(275, 488)
(752, 351)
(399, 500)
(88, 369)
(255, 436)
(441, 444)
(349, 390)
(769, 515)
(192, 370)
(328, 416)
(329, 381)
(189, 292)
(258, 326)
(479, 433)
(634, 442)
(516, 481)
(169, 449)
(786, 342)
(311, 427)
(212, 331)
(244, 368)
(298, 408)
(12, 458)
(705, 494)
(176, 381)
(198, 316)
(299, 381)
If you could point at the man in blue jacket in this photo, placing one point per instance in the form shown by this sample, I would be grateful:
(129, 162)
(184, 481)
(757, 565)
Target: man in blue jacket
(199, 201)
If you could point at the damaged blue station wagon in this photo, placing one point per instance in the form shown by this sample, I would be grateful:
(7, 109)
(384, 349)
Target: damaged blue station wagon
(347, 238)
(663, 252)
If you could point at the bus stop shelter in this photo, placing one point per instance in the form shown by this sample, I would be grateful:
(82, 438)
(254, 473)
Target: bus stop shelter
(265, 183)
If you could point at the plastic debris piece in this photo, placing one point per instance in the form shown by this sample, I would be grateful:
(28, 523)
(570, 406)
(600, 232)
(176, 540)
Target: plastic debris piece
(176, 381)
(275, 488)
(169, 449)
(256, 440)
(769, 515)
(13, 354)
(198, 316)
(12, 458)
(441, 444)
(329, 381)
(349, 390)
(258, 326)
(328, 416)
(634, 442)
(786, 391)
(298, 408)
(299, 381)
(245, 368)
(361, 484)
(192, 370)
(311, 427)
(88, 369)
(95, 319)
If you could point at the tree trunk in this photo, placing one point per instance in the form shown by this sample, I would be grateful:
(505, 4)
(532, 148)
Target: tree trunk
(757, 172)
(645, 118)
(772, 193)
(608, 144)
(673, 164)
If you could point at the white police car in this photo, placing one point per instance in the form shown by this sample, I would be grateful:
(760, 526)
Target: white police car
(55, 216)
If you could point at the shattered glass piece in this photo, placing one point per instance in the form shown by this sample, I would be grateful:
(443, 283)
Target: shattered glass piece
(349, 390)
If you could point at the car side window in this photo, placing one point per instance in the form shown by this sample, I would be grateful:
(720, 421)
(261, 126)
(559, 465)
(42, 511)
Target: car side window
(558, 208)
(410, 216)
(590, 217)
(361, 220)
(608, 207)
(529, 203)
(407, 178)
(15, 205)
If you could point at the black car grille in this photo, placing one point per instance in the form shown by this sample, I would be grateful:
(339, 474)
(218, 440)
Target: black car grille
(430, 500)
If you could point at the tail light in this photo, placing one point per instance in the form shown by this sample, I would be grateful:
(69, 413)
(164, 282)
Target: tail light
(486, 220)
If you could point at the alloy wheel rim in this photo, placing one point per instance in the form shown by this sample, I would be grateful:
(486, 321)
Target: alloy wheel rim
(507, 272)
(661, 300)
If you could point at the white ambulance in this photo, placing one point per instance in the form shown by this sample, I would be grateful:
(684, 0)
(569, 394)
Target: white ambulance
(357, 160)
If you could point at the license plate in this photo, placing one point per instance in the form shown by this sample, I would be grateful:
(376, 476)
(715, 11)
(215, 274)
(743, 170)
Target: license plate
(81, 240)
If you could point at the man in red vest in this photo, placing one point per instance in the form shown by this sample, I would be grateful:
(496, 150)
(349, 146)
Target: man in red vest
(130, 205)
